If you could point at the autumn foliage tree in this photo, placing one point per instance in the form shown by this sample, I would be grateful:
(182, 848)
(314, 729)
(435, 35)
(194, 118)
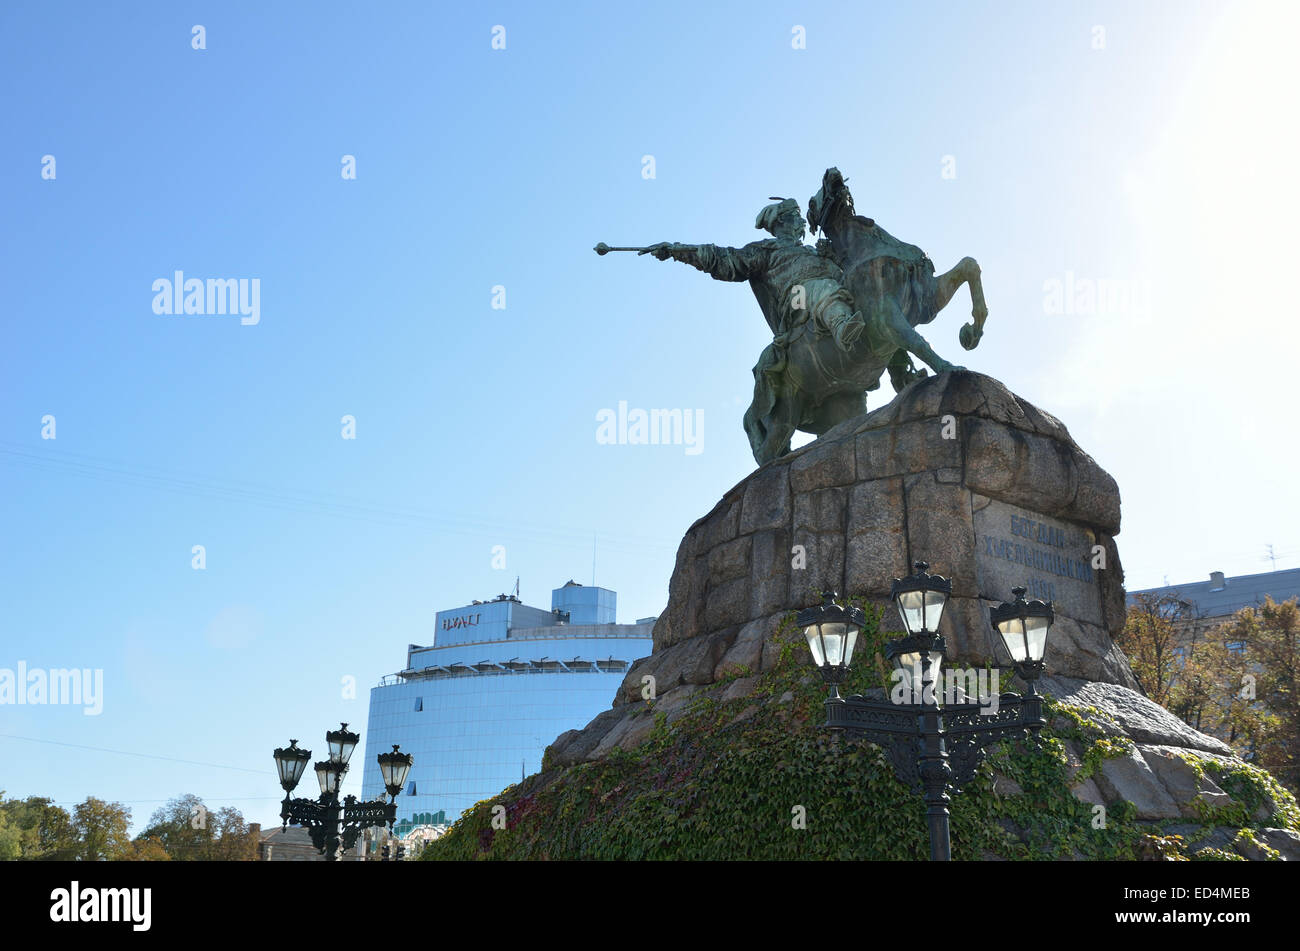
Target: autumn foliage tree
(1150, 639)
(1262, 709)
(102, 830)
(1236, 681)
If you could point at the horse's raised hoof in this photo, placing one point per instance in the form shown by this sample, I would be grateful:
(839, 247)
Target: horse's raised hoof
(969, 336)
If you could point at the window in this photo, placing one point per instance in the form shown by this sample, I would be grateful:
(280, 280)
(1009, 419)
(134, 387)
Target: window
(1237, 647)
(419, 704)
(410, 790)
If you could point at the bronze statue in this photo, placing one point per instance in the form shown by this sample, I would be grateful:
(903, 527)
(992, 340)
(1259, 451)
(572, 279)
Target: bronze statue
(842, 313)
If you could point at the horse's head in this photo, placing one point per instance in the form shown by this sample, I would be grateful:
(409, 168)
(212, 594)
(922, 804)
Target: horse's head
(832, 197)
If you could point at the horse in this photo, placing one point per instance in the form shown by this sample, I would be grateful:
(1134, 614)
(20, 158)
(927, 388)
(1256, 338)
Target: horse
(808, 382)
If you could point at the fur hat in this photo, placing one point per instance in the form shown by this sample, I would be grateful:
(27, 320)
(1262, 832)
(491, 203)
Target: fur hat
(768, 217)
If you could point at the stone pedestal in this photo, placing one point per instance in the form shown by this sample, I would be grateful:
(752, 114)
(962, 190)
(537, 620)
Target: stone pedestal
(958, 472)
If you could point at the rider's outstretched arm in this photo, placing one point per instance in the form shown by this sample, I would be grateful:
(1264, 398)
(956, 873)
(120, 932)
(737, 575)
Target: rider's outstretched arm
(723, 263)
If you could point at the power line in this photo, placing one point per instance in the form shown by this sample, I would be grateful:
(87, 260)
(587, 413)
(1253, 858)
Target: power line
(101, 749)
(112, 472)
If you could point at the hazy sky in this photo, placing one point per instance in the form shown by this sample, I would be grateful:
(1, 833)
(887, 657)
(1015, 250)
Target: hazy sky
(1151, 146)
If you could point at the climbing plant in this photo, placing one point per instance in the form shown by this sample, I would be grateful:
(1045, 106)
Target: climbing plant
(755, 777)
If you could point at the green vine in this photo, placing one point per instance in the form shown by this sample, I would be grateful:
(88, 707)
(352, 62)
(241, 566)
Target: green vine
(756, 778)
(1216, 855)
(1252, 791)
(1108, 747)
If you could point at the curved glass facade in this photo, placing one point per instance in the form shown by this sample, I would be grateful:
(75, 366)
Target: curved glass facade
(479, 708)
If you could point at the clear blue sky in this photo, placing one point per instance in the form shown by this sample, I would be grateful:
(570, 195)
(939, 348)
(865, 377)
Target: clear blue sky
(1159, 160)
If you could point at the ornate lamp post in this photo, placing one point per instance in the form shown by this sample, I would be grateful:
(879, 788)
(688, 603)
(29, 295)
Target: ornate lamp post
(330, 822)
(934, 748)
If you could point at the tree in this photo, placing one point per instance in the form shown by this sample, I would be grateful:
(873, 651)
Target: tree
(189, 832)
(1196, 696)
(1150, 639)
(97, 831)
(1236, 681)
(45, 829)
(182, 828)
(147, 849)
(1262, 706)
(101, 828)
(235, 842)
(11, 846)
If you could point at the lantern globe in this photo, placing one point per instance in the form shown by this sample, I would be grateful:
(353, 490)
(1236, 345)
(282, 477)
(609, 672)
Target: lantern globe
(327, 774)
(1023, 627)
(393, 767)
(831, 630)
(341, 744)
(920, 599)
(906, 655)
(290, 762)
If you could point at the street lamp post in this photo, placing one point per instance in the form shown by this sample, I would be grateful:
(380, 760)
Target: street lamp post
(934, 747)
(332, 823)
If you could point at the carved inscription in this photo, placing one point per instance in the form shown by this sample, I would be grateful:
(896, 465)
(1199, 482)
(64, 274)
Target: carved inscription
(1052, 558)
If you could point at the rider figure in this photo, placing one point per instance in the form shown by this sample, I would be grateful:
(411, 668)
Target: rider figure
(791, 280)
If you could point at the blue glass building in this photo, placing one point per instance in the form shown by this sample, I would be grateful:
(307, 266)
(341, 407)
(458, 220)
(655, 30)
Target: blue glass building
(500, 682)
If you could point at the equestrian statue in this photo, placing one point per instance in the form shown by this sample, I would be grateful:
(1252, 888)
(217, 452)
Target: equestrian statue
(842, 313)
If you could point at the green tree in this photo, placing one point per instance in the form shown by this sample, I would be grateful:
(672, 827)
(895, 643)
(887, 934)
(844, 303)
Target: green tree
(45, 830)
(182, 827)
(11, 836)
(234, 842)
(189, 832)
